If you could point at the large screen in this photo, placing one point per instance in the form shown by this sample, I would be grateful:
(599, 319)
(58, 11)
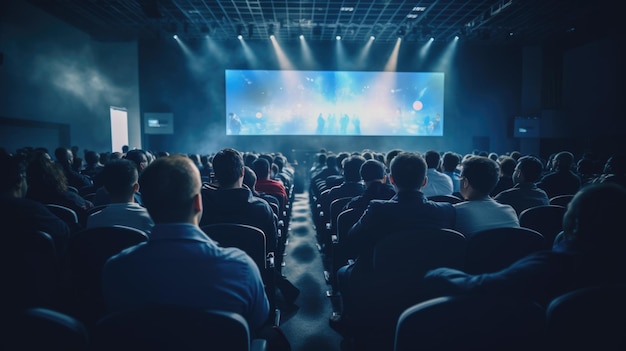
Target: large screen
(284, 102)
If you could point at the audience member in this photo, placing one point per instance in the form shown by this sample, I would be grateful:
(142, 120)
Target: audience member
(140, 159)
(408, 209)
(437, 183)
(231, 202)
(266, 185)
(121, 182)
(93, 167)
(505, 180)
(562, 181)
(525, 193)
(614, 170)
(480, 212)
(65, 159)
(590, 254)
(21, 214)
(47, 184)
(180, 265)
(375, 177)
(451, 161)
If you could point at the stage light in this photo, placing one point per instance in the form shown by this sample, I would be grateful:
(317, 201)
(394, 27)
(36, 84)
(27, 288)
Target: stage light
(239, 31)
(372, 37)
(270, 30)
(338, 37)
(175, 36)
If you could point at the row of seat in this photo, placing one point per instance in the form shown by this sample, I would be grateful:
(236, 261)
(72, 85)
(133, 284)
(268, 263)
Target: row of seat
(591, 318)
(146, 328)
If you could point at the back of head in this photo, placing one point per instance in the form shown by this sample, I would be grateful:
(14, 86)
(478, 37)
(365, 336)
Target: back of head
(450, 161)
(390, 155)
(262, 168)
(482, 173)
(432, 158)
(169, 186)
(531, 168)
(516, 155)
(507, 166)
(249, 157)
(372, 170)
(408, 171)
(228, 166)
(594, 218)
(321, 158)
(92, 157)
(352, 167)
(249, 178)
(564, 160)
(119, 178)
(331, 161)
(138, 157)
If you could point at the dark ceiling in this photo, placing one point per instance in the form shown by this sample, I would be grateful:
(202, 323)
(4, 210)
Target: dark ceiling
(489, 22)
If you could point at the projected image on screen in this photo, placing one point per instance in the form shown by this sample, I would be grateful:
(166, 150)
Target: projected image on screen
(262, 102)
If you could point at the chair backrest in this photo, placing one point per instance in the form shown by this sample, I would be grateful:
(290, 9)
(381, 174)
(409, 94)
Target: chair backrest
(497, 248)
(588, 318)
(30, 269)
(44, 329)
(345, 220)
(471, 323)
(336, 207)
(561, 200)
(445, 198)
(411, 253)
(546, 219)
(89, 249)
(171, 328)
(66, 214)
(95, 209)
(248, 238)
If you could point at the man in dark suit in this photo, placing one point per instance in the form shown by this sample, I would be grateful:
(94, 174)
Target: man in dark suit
(408, 209)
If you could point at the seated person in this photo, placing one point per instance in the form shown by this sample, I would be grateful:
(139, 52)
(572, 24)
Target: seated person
(19, 213)
(180, 265)
(590, 254)
(438, 183)
(408, 209)
(480, 212)
(507, 168)
(563, 181)
(120, 179)
(375, 177)
(525, 193)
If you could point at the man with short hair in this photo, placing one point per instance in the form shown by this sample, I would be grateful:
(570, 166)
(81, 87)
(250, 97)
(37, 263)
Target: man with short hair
(408, 209)
(375, 177)
(180, 265)
(121, 182)
(480, 212)
(525, 193)
(563, 181)
(438, 183)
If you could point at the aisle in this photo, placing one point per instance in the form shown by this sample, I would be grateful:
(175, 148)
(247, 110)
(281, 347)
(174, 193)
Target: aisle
(307, 329)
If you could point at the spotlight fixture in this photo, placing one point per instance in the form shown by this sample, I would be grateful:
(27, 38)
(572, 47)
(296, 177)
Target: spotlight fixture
(270, 29)
(401, 31)
(239, 31)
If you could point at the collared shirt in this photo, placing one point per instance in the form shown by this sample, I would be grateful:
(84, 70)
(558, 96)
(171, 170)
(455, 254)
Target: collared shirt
(477, 215)
(180, 265)
(438, 183)
(128, 214)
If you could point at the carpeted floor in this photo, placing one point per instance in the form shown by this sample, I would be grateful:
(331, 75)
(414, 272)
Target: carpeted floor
(306, 325)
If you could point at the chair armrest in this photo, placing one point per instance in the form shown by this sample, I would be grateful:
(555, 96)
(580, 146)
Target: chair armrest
(258, 345)
(270, 259)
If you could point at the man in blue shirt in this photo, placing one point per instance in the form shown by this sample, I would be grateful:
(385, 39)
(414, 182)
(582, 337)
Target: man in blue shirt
(180, 265)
